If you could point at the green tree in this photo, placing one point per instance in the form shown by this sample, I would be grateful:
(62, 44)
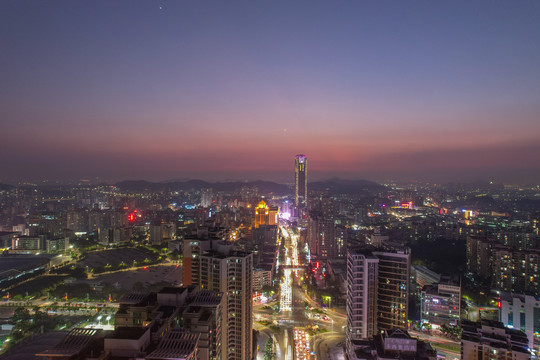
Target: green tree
(21, 315)
(269, 350)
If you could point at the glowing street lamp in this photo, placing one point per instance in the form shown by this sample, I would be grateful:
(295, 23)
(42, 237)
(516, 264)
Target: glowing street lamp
(328, 300)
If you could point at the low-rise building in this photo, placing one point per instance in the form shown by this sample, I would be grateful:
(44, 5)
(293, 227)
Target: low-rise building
(188, 308)
(175, 323)
(489, 339)
(77, 344)
(57, 245)
(392, 344)
(177, 345)
(521, 312)
(262, 277)
(127, 342)
(441, 303)
(27, 244)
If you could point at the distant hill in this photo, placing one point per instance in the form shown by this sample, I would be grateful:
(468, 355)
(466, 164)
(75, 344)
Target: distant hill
(5, 187)
(342, 186)
(334, 186)
(142, 185)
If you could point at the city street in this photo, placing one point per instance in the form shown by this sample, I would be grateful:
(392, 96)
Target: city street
(327, 325)
(293, 320)
(444, 346)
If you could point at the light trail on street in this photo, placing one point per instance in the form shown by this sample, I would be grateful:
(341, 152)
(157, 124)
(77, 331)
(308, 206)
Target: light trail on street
(293, 340)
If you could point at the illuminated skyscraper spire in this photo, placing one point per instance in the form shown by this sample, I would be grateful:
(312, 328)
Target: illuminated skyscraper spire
(301, 181)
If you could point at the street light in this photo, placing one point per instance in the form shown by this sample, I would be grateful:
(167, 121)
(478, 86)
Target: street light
(328, 300)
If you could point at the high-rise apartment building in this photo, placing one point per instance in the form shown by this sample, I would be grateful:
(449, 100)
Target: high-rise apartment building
(193, 247)
(508, 269)
(207, 195)
(230, 272)
(393, 287)
(377, 291)
(300, 170)
(265, 244)
(321, 237)
(515, 270)
(479, 259)
(362, 283)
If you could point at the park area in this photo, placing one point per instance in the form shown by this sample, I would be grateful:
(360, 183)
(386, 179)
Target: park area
(114, 259)
(151, 277)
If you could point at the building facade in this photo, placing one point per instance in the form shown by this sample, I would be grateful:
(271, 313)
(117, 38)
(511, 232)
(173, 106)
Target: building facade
(321, 237)
(441, 303)
(265, 215)
(393, 344)
(230, 272)
(519, 311)
(377, 291)
(491, 340)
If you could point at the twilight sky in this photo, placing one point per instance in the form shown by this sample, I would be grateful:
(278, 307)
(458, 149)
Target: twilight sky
(156, 90)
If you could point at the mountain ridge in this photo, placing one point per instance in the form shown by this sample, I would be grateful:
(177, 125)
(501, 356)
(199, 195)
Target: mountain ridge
(333, 186)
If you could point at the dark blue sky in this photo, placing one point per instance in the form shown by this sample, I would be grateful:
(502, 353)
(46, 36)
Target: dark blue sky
(161, 89)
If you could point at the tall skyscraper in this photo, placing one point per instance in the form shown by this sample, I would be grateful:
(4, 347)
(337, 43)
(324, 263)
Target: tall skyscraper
(377, 291)
(300, 169)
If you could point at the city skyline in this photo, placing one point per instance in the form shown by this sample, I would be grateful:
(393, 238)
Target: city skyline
(159, 90)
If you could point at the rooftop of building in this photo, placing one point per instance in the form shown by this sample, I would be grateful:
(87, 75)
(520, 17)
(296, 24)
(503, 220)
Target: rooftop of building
(175, 344)
(423, 269)
(207, 298)
(452, 280)
(494, 334)
(364, 349)
(432, 289)
(137, 299)
(374, 251)
(264, 266)
(76, 341)
(397, 334)
(13, 264)
(39, 344)
(375, 348)
(165, 311)
(173, 290)
(524, 298)
(232, 254)
(130, 333)
(8, 233)
(203, 314)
